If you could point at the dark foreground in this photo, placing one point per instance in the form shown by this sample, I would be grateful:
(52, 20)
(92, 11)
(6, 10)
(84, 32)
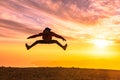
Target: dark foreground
(57, 73)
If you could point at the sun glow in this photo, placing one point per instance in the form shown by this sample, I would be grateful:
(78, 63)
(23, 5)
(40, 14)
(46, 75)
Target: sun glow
(101, 43)
(101, 48)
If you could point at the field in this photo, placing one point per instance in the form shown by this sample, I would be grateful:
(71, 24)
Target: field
(57, 73)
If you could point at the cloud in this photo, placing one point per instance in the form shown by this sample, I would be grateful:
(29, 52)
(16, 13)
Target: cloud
(72, 10)
(15, 26)
(80, 11)
(76, 10)
(66, 17)
(87, 12)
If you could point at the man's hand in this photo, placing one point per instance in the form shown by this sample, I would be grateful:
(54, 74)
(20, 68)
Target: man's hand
(64, 39)
(28, 38)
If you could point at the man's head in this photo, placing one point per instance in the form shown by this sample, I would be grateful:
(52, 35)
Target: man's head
(46, 30)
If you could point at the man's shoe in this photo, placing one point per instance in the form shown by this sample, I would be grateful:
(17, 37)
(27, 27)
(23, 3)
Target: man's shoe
(64, 47)
(28, 47)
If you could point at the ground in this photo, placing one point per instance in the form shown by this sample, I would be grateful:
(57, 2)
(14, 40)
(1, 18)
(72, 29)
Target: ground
(57, 73)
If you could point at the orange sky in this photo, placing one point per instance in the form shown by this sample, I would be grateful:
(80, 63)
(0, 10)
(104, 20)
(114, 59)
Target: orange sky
(91, 28)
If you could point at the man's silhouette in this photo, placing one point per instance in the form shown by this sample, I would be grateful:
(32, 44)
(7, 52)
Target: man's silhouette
(47, 39)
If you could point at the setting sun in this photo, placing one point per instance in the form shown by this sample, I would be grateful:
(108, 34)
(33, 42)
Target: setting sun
(102, 48)
(101, 43)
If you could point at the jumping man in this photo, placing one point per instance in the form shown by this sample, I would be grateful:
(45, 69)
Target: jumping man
(47, 39)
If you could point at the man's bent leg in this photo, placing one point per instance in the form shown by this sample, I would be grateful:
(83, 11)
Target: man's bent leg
(59, 44)
(36, 42)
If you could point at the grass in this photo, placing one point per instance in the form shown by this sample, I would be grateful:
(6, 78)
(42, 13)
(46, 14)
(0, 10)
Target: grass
(57, 73)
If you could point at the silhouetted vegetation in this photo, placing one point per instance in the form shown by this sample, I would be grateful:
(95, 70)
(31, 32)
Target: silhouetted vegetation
(57, 73)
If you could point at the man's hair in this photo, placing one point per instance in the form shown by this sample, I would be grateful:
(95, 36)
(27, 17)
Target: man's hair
(47, 28)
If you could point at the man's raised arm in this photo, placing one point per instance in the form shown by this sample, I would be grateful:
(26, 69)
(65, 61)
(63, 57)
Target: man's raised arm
(36, 35)
(58, 36)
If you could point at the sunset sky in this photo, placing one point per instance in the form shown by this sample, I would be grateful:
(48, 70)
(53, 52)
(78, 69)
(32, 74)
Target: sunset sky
(91, 28)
